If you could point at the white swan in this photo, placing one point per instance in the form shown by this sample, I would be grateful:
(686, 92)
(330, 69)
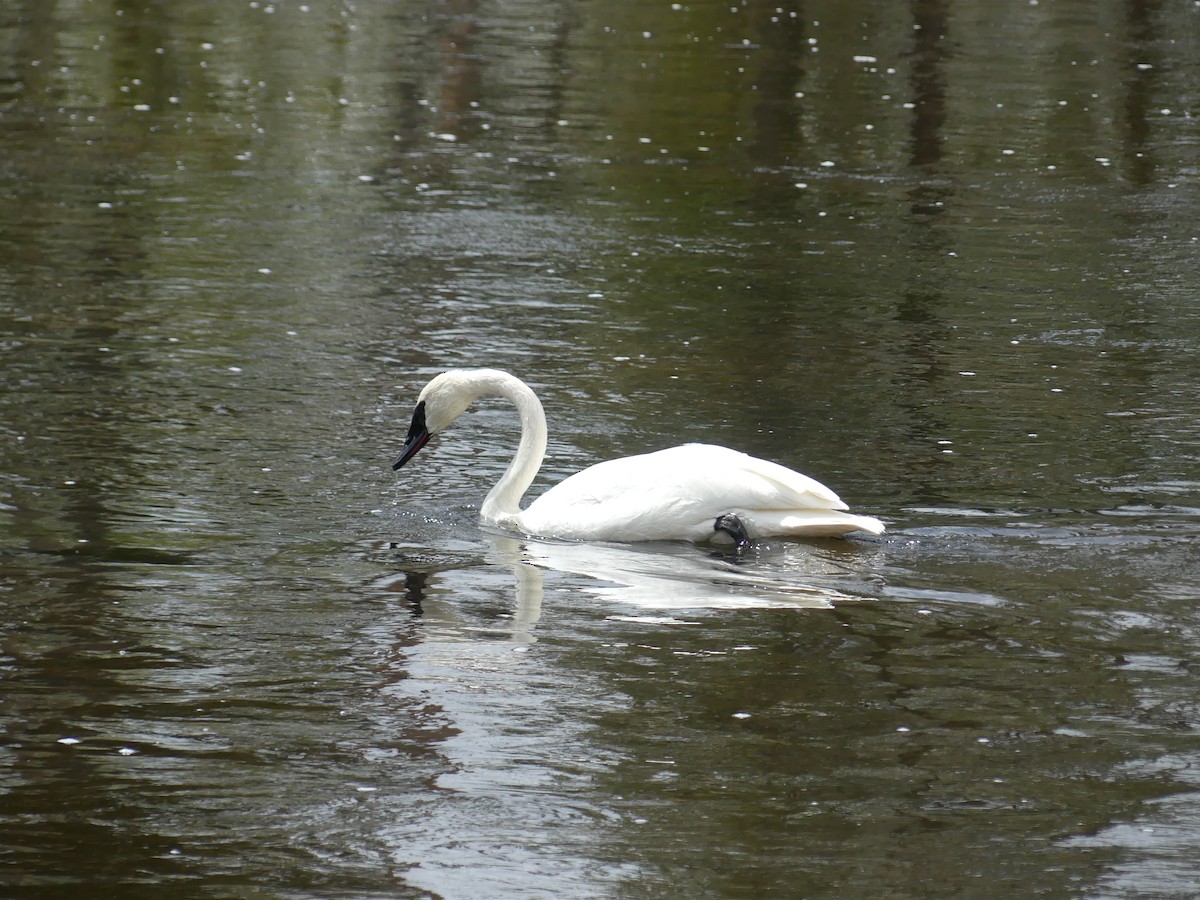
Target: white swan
(695, 492)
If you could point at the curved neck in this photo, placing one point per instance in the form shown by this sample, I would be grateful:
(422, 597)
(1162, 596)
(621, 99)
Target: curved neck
(503, 502)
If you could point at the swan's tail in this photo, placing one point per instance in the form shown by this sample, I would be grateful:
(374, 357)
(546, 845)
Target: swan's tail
(826, 523)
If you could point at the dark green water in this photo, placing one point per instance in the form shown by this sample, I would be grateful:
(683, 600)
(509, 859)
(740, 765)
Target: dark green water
(943, 257)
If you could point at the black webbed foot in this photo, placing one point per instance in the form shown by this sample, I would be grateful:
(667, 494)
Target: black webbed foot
(732, 526)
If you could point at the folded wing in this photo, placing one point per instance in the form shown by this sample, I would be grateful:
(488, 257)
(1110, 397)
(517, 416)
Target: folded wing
(679, 492)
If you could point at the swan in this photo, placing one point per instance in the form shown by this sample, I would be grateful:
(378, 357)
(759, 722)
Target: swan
(694, 492)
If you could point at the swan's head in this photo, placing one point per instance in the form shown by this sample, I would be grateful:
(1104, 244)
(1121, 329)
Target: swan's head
(440, 402)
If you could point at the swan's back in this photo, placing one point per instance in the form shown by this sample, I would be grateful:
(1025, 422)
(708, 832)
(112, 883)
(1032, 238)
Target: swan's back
(677, 494)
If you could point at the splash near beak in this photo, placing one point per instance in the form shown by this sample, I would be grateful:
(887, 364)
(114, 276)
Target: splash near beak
(418, 436)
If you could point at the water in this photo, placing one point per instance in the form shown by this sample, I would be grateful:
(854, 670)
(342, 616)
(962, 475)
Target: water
(941, 257)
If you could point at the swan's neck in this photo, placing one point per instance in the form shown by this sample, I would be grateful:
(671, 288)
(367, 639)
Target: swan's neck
(503, 502)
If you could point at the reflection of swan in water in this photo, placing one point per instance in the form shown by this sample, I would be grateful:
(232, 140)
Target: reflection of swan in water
(691, 493)
(650, 578)
(428, 583)
(668, 578)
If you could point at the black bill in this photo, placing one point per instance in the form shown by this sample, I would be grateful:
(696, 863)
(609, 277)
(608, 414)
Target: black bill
(418, 436)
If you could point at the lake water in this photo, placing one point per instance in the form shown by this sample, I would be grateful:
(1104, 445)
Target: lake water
(942, 257)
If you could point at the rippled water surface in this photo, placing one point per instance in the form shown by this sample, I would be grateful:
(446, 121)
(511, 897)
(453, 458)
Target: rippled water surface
(942, 257)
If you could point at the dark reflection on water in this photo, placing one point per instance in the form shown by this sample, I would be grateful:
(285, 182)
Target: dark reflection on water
(940, 256)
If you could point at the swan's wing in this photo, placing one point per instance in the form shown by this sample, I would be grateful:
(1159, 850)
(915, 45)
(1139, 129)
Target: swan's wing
(674, 493)
(732, 475)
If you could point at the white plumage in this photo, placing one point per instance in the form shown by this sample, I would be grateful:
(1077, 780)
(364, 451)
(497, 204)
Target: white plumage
(683, 493)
